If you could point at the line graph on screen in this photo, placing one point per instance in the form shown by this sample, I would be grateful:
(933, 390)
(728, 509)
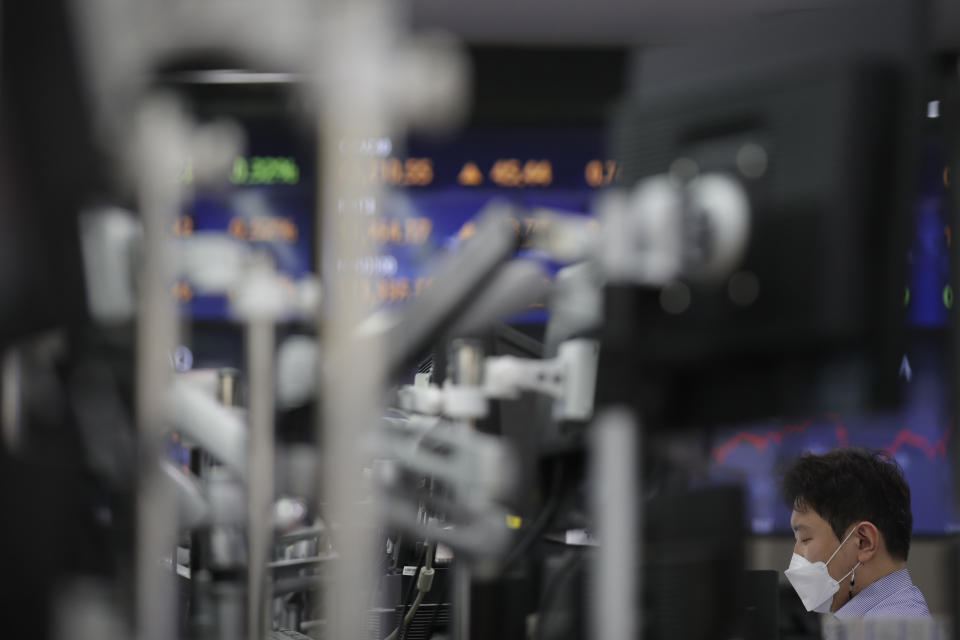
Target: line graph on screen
(905, 437)
(759, 441)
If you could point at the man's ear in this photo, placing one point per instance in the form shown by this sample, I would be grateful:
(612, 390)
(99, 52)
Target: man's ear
(868, 541)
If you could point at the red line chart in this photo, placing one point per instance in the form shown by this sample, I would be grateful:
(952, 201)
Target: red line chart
(840, 429)
(758, 441)
(918, 441)
(843, 437)
(904, 438)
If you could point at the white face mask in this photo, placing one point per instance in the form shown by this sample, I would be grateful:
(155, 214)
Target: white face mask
(812, 581)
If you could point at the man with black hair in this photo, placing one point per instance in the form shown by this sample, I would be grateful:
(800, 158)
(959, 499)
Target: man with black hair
(852, 522)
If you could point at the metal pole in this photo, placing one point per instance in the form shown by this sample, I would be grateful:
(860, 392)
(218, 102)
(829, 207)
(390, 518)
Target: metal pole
(615, 487)
(260, 347)
(466, 357)
(159, 153)
(353, 109)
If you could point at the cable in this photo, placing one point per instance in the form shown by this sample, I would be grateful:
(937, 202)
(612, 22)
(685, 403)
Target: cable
(543, 519)
(427, 578)
(424, 583)
(413, 610)
(421, 562)
(421, 592)
(437, 605)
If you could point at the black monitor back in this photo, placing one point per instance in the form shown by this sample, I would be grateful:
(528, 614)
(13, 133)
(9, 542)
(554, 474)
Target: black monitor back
(830, 209)
(693, 557)
(50, 168)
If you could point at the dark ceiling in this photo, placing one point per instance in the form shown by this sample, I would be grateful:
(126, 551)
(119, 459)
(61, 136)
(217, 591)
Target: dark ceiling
(628, 22)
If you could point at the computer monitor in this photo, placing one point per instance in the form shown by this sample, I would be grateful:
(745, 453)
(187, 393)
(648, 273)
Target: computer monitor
(816, 117)
(50, 169)
(920, 433)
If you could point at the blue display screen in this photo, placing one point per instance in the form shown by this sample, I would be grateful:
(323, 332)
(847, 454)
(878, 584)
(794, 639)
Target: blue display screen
(929, 295)
(434, 193)
(918, 436)
(561, 170)
(436, 189)
(270, 206)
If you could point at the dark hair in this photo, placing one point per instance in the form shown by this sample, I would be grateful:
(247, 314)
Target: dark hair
(848, 485)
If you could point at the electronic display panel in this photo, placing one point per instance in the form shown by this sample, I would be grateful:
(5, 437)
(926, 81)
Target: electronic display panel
(423, 218)
(269, 205)
(918, 435)
(434, 191)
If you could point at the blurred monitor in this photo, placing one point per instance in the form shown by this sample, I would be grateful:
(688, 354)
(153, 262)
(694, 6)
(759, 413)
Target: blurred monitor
(816, 115)
(536, 137)
(920, 434)
(50, 168)
(271, 208)
(694, 558)
(442, 186)
(269, 203)
(693, 583)
(848, 244)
